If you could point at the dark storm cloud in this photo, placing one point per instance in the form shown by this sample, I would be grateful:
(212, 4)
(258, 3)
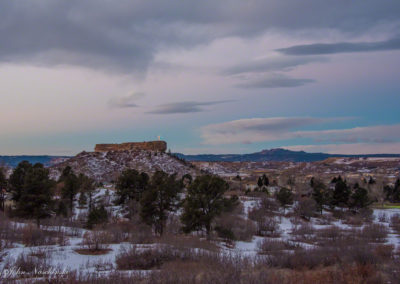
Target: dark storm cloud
(274, 81)
(184, 107)
(331, 48)
(124, 35)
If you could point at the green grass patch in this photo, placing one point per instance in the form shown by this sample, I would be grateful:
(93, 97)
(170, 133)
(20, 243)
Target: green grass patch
(387, 206)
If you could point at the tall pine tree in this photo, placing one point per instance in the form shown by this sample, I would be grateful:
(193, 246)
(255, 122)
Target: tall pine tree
(70, 186)
(204, 201)
(160, 198)
(35, 199)
(130, 186)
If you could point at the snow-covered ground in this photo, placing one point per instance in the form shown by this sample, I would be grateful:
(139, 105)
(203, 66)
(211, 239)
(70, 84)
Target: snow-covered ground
(68, 258)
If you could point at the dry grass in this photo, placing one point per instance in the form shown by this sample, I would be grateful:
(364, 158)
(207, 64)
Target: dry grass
(92, 251)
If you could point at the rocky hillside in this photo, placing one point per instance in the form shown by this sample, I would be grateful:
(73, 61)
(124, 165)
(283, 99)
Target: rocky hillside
(106, 166)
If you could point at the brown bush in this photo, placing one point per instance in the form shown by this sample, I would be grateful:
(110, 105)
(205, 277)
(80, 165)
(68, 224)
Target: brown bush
(27, 263)
(395, 222)
(9, 232)
(305, 208)
(188, 242)
(374, 233)
(304, 233)
(241, 229)
(268, 227)
(269, 205)
(384, 252)
(33, 236)
(353, 220)
(273, 246)
(331, 233)
(302, 259)
(382, 217)
(96, 240)
(144, 259)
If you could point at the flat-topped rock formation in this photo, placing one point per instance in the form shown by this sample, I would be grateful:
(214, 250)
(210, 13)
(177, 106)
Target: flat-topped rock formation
(160, 146)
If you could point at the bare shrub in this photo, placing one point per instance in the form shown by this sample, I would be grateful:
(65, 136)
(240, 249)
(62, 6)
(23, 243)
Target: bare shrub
(384, 252)
(187, 242)
(382, 217)
(324, 220)
(96, 240)
(301, 259)
(102, 265)
(353, 220)
(304, 233)
(256, 214)
(173, 225)
(374, 233)
(268, 227)
(39, 252)
(330, 234)
(27, 263)
(130, 231)
(360, 253)
(269, 205)
(273, 245)
(237, 227)
(118, 232)
(33, 236)
(367, 214)
(136, 258)
(339, 214)
(305, 208)
(395, 222)
(9, 233)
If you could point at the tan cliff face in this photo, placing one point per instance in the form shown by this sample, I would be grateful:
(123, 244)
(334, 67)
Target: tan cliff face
(160, 146)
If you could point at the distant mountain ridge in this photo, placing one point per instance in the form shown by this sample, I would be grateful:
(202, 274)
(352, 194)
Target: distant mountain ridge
(13, 161)
(278, 154)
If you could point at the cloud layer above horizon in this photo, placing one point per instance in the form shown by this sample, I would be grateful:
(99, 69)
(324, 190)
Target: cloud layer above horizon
(209, 76)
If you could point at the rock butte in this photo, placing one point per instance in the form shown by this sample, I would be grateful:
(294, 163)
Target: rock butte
(148, 146)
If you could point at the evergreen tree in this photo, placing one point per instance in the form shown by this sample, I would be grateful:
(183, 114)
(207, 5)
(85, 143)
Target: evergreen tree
(371, 180)
(70, 186)
(98, 215)
(3, 185)
(61, 209)
(160, 198)
(285, 197)
(187, 180)
(87, 186)
(319, 193)
(393, 192)
(204, 201)
(130, 185)
(341, 193)
(35, 199)
(260, 182)
(359, 199)
(17, 179)
(82, 199)
(336, 179)
(265, 180)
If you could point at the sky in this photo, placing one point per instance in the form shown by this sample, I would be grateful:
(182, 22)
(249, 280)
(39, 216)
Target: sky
(206, 76)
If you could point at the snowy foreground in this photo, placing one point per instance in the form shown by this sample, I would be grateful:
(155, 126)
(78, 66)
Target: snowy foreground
(65, 258)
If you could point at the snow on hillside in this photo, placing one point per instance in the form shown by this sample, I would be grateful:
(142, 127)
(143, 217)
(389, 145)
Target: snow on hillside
(106, 166)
